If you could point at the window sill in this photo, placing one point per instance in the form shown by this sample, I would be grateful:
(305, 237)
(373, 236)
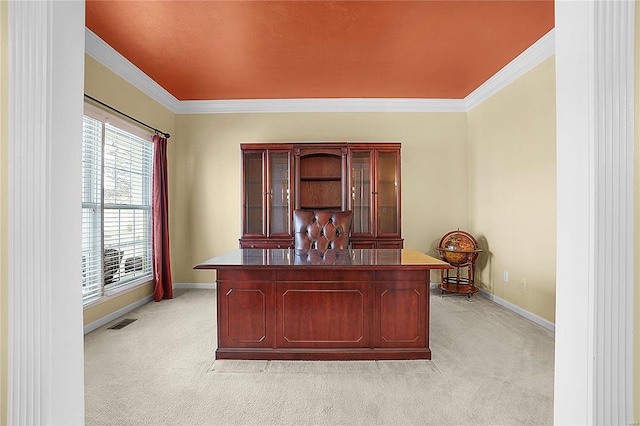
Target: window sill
(117, 292)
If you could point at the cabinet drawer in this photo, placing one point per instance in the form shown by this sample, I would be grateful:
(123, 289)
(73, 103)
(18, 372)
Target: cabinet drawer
(389, 244)
(376, 243)
(266, 244)
(363, 244)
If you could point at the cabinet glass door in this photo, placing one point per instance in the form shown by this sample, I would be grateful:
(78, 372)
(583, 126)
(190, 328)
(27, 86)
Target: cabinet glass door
(387, 192)
(254, 193)
(361, 192)
(279, 193)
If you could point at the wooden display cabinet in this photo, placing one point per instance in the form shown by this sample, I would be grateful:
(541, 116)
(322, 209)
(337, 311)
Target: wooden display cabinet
(266, 196)
(359, 176)
(374, 177)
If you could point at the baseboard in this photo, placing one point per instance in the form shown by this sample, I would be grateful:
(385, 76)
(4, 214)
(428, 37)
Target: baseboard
(206, 286)
(514, 308)
(116, 314)
(212, 286)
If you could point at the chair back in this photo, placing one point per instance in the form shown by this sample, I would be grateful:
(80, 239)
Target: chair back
(322, 230)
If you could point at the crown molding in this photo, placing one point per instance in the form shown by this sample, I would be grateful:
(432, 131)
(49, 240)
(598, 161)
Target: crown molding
(523, 63)
(110, 58)
(322, 105)
(527, 60)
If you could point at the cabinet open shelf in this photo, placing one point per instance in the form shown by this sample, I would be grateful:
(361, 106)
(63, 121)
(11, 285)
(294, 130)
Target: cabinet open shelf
(316, 207)
(321, 179)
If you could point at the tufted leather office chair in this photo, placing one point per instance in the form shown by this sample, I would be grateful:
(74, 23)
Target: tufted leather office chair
(321, 230)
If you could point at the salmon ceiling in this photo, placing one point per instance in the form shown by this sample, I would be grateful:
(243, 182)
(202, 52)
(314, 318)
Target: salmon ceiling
(215, 50)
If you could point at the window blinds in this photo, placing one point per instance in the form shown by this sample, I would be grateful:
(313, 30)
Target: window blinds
(128, 165)
(116, 208)
(91, 209)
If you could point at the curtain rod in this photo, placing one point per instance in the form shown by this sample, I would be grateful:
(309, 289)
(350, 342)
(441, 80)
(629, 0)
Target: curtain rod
(166, 135)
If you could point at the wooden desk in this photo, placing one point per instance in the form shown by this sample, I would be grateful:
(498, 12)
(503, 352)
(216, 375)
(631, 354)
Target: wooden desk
(334, 305)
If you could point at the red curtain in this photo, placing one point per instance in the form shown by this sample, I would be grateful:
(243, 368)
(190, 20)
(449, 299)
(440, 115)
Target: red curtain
(161, 263)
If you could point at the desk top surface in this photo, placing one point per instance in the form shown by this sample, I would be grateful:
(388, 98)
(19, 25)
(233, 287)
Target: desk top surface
(369, 258)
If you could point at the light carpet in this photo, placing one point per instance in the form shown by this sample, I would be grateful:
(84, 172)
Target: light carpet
(490, 366)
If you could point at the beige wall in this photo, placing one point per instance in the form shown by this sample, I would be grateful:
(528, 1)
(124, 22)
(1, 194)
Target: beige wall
(113, 304)
(512, 163)
(4, 222)
(206, 177)
(104, 85)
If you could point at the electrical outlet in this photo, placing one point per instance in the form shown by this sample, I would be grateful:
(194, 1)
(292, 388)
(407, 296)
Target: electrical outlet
(505, 276)
(523, 283)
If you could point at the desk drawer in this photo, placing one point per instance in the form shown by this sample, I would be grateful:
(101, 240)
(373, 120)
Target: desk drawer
(245, 275)
(323, 274)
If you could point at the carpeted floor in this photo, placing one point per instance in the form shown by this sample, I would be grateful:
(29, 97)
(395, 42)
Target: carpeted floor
(490, 366)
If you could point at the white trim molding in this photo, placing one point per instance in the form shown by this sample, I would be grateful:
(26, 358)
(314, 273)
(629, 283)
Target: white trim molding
(518, 310)
(595, 169)
(527, 60)
(109, 57)
(322, 105)
(123, 311)
(45, 347)
(513, 308)
(523, 63)
(203, 286)
(116, 314)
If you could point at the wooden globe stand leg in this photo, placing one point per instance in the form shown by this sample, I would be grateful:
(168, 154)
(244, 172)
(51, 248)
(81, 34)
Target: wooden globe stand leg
(459, 285)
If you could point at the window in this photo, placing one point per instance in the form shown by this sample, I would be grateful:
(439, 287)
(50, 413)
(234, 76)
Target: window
(117, 166)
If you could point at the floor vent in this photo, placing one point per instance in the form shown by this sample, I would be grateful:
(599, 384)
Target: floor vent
(122, 324)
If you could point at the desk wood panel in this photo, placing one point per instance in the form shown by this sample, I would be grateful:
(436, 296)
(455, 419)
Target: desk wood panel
(275, 304)
(245, 314)
(401, 314)
(323, 315)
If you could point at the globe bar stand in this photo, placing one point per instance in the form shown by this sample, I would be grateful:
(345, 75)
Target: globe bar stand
(460, 250)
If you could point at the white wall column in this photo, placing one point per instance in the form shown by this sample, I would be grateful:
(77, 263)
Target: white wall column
(594, 290)
(46, 81)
